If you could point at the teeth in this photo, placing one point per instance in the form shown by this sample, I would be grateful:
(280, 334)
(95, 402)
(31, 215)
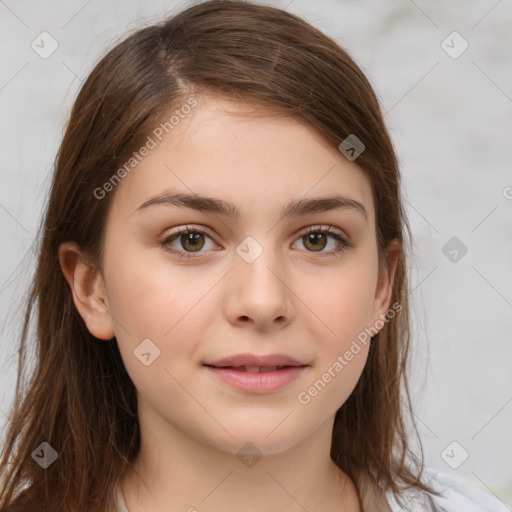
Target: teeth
(270, 369)
(259, 369)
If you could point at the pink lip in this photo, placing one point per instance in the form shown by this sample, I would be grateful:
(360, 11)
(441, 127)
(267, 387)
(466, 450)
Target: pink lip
(258, 382)
(264, 361)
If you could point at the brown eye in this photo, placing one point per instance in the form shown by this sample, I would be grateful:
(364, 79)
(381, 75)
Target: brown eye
(193, 240)
(190, 241)
(315, 241)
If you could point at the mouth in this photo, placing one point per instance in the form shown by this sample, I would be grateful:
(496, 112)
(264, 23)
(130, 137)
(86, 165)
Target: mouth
(254, 369)
(256, 379)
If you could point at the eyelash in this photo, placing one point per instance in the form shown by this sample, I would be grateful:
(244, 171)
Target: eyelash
(344, 244)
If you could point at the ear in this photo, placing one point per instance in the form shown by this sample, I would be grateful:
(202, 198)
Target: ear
(88, 289)
(384, 289)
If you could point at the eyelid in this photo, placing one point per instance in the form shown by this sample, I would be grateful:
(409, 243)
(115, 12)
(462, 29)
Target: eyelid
(324, 227)
(301, 232)
(192, 228)
(342, 238)
(175, 234)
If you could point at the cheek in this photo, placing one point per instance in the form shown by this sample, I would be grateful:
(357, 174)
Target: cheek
(342, 301)
(158, 303)
(342, 346)
(332, 383)
(341, 305)
(155, 298)
(153, 301)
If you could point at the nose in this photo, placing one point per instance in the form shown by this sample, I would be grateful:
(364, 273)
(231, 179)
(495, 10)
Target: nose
(259, 291)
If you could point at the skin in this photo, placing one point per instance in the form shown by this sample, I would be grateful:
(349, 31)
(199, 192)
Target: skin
(290, 300)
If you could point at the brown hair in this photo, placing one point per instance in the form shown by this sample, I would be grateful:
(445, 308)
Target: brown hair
(80, 398)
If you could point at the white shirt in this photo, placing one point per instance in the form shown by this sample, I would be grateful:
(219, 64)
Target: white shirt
(458, 495)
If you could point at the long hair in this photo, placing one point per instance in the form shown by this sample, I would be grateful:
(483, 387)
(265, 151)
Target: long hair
(79, 398)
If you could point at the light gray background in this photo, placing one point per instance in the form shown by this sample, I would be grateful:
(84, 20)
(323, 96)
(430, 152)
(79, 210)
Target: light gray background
(451, 122)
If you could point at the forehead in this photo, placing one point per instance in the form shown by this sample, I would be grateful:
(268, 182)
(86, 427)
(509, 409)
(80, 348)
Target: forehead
(245, 154)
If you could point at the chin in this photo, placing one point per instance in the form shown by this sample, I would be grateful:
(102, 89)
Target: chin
(257, 441)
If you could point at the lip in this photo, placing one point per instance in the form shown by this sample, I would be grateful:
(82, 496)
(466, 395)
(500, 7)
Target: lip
(264, 361)
(229, 371)
(258, 383)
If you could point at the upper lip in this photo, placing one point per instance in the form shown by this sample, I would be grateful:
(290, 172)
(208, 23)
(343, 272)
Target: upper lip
(265, 361)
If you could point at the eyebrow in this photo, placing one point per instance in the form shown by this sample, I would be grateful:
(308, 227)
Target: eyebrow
(296, 207)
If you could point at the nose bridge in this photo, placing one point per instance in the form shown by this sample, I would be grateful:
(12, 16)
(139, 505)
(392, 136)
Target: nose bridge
(258, 260)
(260, 283)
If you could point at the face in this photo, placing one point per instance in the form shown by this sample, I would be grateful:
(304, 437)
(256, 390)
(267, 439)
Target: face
(304, 285)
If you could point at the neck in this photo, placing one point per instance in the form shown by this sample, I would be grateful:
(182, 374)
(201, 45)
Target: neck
(175, 471)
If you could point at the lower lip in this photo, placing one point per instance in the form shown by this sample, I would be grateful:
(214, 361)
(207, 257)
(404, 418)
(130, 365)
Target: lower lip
(258, 382)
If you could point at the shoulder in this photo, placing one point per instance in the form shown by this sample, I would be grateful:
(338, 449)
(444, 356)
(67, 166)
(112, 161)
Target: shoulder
(457, 494)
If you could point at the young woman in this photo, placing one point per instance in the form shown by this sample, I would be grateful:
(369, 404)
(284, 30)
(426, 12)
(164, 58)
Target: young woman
(221, 287)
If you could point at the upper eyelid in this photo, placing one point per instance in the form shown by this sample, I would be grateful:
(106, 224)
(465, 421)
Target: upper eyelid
(208, 231)
(302, 231)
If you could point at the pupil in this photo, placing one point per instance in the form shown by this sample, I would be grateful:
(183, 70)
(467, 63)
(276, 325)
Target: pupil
(190, 239)
(314, 238)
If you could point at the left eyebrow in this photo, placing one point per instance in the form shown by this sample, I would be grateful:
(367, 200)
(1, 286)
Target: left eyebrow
(295, 207)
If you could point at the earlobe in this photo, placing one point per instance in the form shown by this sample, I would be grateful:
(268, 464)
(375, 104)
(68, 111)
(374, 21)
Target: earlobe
(88, 290)
(384, 289)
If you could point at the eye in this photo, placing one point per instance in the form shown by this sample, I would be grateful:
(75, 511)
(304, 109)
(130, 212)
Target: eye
(190, 239)
(315, 237)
